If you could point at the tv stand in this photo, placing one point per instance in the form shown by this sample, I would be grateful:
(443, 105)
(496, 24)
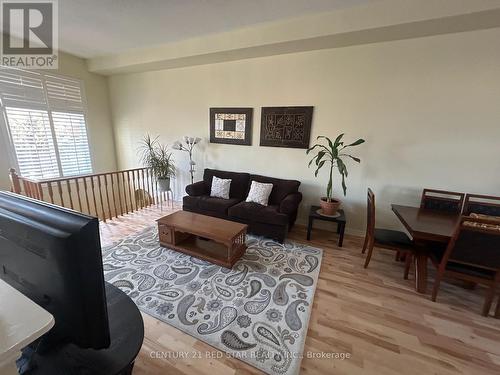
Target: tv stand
(126, 329)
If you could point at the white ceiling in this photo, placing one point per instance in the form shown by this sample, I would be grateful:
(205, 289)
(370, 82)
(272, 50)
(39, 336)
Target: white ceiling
(91, 28)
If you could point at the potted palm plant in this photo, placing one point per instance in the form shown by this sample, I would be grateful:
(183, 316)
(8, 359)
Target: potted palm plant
(157, 157)
(332, 156)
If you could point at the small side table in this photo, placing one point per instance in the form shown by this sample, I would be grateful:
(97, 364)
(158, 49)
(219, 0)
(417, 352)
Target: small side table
(340, 220)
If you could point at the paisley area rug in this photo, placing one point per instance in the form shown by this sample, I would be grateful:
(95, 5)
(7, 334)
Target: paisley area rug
(257, 312)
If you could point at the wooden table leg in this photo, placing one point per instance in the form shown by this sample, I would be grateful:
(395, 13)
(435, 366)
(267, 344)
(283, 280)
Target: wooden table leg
(421, 271)
(341, 231)
(309, 228)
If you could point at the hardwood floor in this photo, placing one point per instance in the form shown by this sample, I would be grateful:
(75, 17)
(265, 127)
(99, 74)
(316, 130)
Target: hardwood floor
(372, 314)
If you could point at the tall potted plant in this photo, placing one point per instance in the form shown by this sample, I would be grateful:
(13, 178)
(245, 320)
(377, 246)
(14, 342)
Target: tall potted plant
(157, 157)
(332, 156)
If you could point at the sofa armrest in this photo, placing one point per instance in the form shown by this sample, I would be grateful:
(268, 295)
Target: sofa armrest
(196, 189)
(290, 204)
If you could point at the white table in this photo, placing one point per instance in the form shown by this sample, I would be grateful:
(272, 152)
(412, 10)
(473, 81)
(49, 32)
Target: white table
(21, 322)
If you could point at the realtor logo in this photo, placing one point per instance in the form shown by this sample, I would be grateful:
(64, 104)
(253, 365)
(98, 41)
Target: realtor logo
(29, 34)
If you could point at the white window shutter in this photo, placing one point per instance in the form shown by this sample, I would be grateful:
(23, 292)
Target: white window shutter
(64, 93)
(45, 116)
(22, 89)
(33, 143)
(72, 142)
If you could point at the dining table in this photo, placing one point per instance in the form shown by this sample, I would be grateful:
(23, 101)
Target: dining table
(426, 227)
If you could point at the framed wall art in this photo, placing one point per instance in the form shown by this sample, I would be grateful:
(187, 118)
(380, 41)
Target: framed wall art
(231, 126)
(286, 126)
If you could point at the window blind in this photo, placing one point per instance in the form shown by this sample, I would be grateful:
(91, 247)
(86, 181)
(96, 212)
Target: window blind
(45, 118)
(33, 143)
(72, 143)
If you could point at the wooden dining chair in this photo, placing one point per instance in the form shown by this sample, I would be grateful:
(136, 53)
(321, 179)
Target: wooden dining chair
(481, 204)
(473, 255)
(441, 200)
(385, 238)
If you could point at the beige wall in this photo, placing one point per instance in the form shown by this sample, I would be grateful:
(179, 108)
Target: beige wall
(99, 123)
(428, 109)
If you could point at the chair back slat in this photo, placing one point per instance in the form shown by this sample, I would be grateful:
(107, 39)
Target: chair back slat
(442, 200)
(481, 204)
(370, 219)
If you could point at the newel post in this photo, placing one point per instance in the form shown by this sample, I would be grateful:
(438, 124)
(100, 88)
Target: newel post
(15, 185)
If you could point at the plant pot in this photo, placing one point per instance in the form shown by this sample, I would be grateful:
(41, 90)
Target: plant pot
(329, 208)
(164, 184)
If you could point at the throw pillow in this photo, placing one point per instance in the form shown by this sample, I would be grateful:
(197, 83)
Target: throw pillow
(259, 193)
(220, 187)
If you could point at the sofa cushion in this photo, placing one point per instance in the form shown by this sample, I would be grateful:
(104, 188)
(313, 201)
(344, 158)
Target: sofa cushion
(239, 182)
(219, 205)
(254, 212)
(281, 188)
(259, 193)
(220, 187)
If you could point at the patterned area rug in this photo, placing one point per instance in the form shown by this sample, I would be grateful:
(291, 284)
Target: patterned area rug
(258, 311)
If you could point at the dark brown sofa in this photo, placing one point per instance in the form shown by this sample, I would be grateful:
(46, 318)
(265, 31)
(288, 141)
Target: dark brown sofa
(273, 221)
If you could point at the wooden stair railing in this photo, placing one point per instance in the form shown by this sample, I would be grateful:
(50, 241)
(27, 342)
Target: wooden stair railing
(104, 195)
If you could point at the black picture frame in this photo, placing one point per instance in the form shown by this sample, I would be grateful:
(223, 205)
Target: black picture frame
(232, 124)
(286, 126)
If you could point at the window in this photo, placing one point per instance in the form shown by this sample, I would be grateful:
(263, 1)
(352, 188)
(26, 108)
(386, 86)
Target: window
(45, 121)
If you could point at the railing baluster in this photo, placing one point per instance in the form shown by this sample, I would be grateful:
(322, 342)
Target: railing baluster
(14, 181)
(32, 191)
(78, 194)
(158, 200)
(119, 193)
(130, 191)
(124, 192)
(60, 192)
(100, 197)
(40, 191)
(26, 188)
(68, 186)
(147, 188)
(113, 193)
(86, 195)
(151, 184)
(143, 198)
(36, 190)
(51, 193)
(93, 195)
(107, 194)
(134, 191)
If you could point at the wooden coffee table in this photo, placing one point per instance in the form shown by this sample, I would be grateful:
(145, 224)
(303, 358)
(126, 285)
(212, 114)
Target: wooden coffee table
(216, 240)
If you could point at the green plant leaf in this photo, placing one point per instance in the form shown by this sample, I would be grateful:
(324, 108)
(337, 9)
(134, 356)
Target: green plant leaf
(312, 148)
(311, 161)
(337, 141)
(353, 158)
(327, 139)
(358, 142)
(319, 167)
(320, 156)
(344, 187)
(341, 167)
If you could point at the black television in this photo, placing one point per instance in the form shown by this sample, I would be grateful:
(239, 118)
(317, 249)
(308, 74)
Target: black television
(53, 256)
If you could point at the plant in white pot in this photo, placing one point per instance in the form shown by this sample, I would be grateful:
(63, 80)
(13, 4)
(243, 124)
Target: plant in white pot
(332, 156)
(156, 156)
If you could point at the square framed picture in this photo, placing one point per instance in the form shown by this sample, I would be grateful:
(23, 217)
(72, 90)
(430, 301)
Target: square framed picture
(231, 126)
(286, 126)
